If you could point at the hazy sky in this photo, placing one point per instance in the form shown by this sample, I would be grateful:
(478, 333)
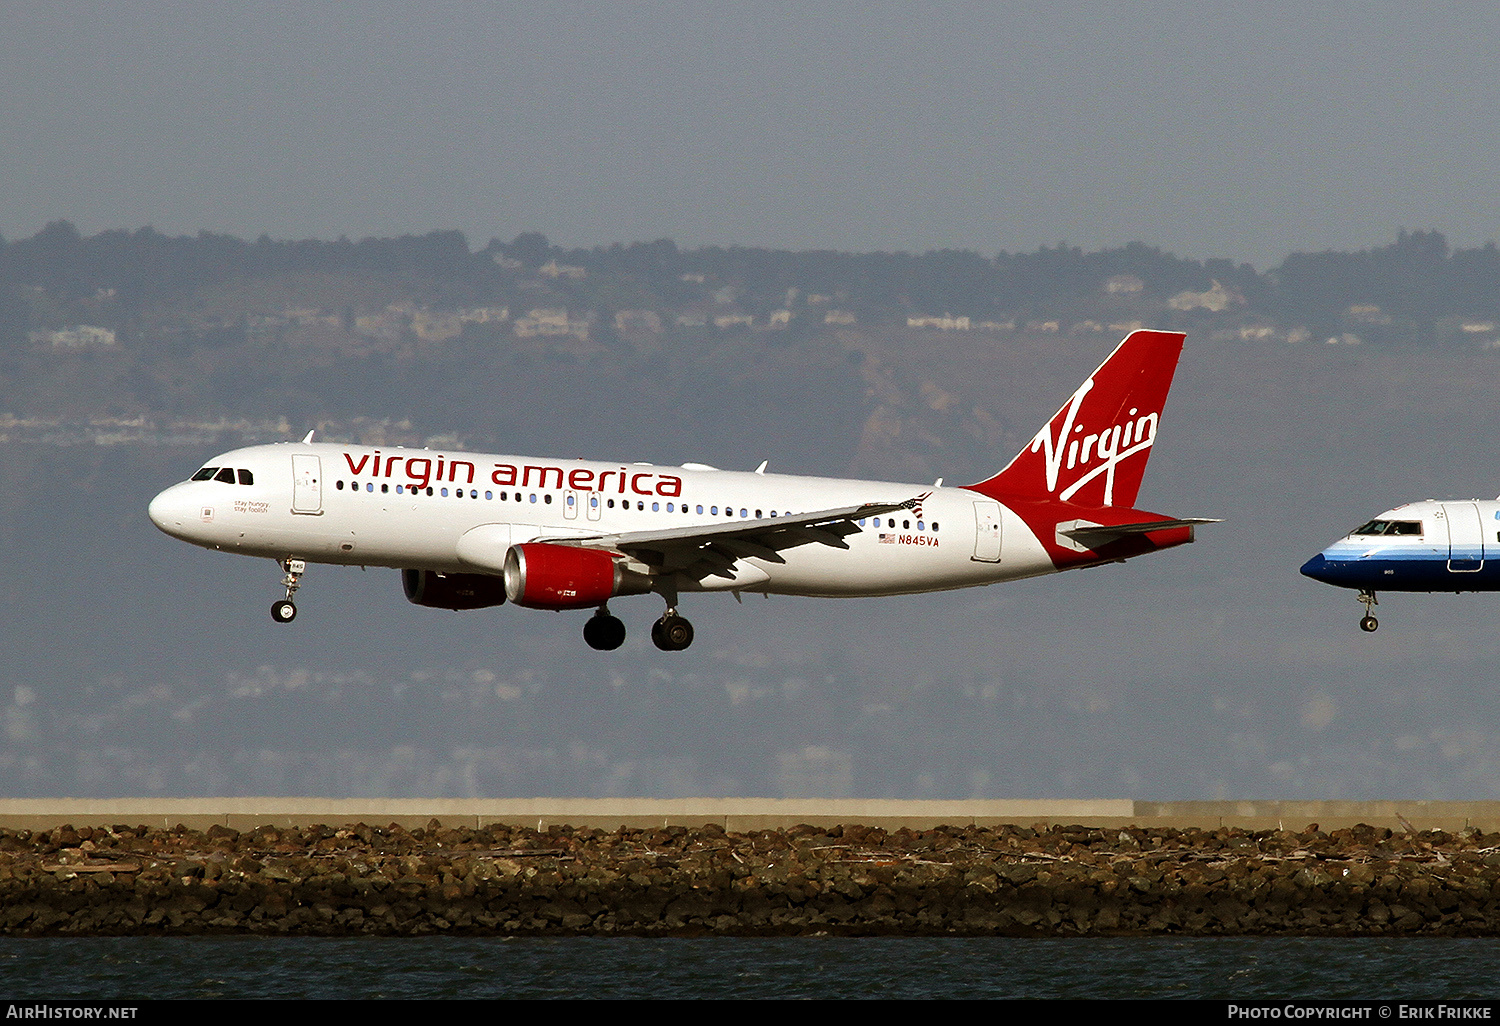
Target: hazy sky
(1245, 130)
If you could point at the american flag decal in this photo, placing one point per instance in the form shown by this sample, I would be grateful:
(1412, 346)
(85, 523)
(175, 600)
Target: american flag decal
(887, 539)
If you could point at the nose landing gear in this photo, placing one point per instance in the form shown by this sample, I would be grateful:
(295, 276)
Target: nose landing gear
(672, 633)
(1368, 623)
(604, 631)
(285, 610)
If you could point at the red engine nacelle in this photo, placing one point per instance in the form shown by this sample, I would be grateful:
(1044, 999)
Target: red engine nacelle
(545, 576)
(452, 591)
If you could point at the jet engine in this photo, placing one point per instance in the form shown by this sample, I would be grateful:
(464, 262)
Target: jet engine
(545, 576)
(452, 591)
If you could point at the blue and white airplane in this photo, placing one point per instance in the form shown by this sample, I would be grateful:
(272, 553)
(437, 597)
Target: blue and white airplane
(1421, 546)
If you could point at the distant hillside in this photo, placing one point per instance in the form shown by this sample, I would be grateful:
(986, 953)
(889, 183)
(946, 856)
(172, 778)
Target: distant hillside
(124, 328)
(206, 288)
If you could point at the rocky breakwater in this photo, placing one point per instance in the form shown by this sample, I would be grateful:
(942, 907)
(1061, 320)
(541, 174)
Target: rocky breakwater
(1016, 881)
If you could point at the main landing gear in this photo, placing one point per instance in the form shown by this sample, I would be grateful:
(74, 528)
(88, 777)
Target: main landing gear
(1368, 623)
(603, 631)
(285, 610)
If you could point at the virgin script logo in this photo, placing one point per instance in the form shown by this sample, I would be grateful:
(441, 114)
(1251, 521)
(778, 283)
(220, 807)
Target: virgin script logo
(1105, 449)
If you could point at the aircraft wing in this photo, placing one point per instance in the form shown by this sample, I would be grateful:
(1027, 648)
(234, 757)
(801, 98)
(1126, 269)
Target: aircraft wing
(1095, 535)
(711, 550)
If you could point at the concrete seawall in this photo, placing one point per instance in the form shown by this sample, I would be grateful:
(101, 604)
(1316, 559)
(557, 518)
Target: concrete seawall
(743, 814)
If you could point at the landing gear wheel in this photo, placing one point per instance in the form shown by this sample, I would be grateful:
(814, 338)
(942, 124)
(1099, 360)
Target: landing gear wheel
(1368, 623)
(285, 610)
(604, 632)
(672, 633)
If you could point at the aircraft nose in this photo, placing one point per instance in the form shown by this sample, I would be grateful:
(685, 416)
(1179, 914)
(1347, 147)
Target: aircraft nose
(170, 510)
(1341, 573)
(1316, 568)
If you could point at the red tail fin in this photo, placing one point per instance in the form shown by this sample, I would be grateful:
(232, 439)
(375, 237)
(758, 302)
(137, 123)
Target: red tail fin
(1094, 451)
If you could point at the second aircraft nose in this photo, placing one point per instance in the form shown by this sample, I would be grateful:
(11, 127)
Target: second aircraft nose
(1341, 573)
(1317, 568)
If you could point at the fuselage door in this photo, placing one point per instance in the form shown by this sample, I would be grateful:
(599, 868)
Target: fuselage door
(307, 484)
(570, 505)
(593, 505)
(987, 532)
(1465, 537)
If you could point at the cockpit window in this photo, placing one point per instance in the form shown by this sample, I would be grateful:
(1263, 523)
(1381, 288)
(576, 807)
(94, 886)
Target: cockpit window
(228, 475)
(1406, 527)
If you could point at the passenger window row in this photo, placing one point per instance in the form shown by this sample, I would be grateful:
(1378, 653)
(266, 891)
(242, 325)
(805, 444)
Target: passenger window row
(922, 525)
(473, 493)
(458, 493)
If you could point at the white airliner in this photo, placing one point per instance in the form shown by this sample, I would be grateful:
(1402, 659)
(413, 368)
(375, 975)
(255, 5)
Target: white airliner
(471, 529)
(1421, 546)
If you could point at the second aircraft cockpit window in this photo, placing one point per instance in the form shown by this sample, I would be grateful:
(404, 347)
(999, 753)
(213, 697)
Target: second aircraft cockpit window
(1408, 527)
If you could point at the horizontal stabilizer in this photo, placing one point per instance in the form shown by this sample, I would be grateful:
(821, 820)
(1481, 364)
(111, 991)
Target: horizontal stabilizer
(1094, 535)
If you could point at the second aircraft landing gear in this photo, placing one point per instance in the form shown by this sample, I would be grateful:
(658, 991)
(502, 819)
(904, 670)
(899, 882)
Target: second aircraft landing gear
(285, 610)
(672, 633)
(603, 631)
(1368, 622)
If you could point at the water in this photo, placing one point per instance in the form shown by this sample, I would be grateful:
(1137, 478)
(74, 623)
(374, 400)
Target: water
(803, 967)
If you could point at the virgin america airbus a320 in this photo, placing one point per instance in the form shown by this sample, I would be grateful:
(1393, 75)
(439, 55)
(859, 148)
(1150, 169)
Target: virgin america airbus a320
(469, 530)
